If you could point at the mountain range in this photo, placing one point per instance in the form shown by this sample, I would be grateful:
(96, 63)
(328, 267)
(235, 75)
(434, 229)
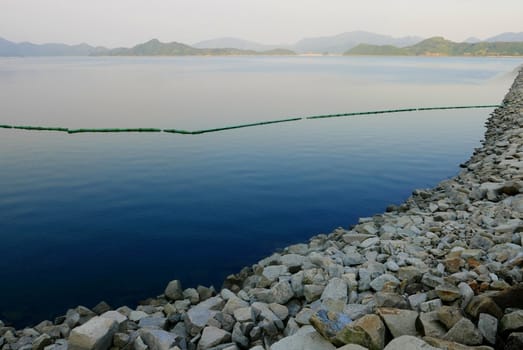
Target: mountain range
(156, 48)
(9, 48)
(439, 46)
(335, 44)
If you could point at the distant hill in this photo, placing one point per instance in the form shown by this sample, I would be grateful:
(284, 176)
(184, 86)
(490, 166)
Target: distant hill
(9, 48)
(345, 41)
(355, 42)
(156, 48)
(507, 37)
(439, 46)
(237, 43)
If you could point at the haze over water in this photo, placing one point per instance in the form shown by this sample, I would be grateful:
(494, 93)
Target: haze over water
(114, 217)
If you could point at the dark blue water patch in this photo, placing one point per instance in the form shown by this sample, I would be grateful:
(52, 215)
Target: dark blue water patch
(115, 217)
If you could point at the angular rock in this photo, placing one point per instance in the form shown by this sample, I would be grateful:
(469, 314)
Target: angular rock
(41, 342)
(303, 317)
(115, 315)
(329, 324)
(120, 340)
(153, 322)
(174, 290)
(512, 322)
(355, 311)
(449, 316)
(138, 344)
(334, 296)
(408, 342)
(293, 262)
(354, 237)
(101, 307)
(291, 328)
(399, 322)
(192, 295)
(305, 339)
(466, 294)
(136, 316)
(448, 292)
(243, 314)
(488, 327)
(372, 326)
(428, 324)
(233, 304)
(431, 305)
(212, 336)
(378, 283)
(280, 293)
(196, 319)
(281, 311)
(238, 337)
(392, 300)
(415, 300)
(410, 273)
(205, 292)
(157, 339)
(312, 292)
(464, 332)
(369, 242)
(273, 272)
(60, 344)
(431, 281)
(95, 334)
(449, 345)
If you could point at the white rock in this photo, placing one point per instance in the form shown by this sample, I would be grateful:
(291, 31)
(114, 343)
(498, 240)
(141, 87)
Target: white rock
(272, 272)
(213, 336)
(114, 315)
(137, 315)
(334, 296)
(305, 339)
(95, 334)
(408, 342)
(157, 339)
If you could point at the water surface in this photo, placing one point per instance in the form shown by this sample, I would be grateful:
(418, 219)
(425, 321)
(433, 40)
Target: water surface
(114, 217)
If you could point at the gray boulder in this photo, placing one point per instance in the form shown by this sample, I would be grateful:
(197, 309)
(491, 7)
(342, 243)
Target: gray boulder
(95, 334)
(157, 339)
(212, 336)
(464, 332)
(174, 290)
(305, 339)
(399, 322)
(408, 342)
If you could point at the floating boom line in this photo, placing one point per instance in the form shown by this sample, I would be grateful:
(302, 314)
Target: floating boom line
(240, 126)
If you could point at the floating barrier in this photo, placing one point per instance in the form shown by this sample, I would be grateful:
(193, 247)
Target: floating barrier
(77, 131)
(397, 111)
(197, 132)
(204, 131)
(37, 128)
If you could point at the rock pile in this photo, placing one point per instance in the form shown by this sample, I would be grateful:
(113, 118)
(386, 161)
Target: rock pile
(441, 271)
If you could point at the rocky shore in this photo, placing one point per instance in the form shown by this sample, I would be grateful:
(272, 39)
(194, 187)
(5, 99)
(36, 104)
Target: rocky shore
(441, 271)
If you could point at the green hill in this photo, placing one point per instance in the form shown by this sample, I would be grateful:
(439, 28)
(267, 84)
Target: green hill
(156, 48)
(438, 46)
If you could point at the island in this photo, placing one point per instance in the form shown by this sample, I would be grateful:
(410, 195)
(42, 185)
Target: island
(439, 46)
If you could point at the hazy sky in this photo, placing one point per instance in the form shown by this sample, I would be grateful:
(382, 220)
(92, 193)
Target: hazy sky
(127, 22)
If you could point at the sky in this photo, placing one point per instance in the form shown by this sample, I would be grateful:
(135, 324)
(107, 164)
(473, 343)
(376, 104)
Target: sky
(115, 23)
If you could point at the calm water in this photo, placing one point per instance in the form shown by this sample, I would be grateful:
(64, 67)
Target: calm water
(114, 217)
